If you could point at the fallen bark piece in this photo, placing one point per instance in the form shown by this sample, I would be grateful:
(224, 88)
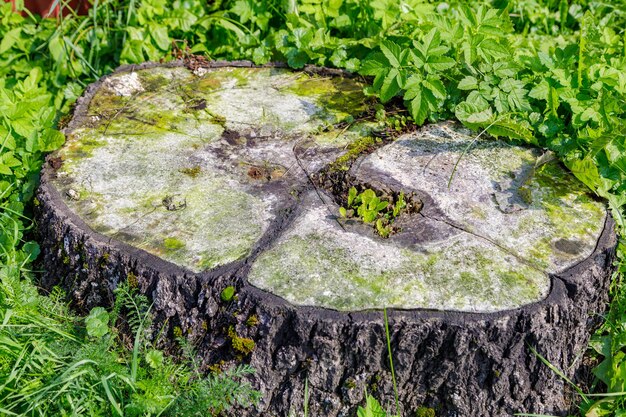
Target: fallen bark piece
(216, 190)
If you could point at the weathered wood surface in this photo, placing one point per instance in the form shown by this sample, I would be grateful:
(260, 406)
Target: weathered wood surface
(192, 181)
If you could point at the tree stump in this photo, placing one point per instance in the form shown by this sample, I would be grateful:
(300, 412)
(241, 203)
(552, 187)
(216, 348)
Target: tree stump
(186, 179)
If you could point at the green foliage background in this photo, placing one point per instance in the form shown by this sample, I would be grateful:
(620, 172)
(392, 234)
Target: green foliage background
(551, 73)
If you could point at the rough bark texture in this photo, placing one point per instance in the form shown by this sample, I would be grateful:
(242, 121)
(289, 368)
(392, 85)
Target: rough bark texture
(458, 364)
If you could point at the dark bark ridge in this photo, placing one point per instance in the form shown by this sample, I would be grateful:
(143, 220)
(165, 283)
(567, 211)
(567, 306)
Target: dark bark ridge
(458, 363)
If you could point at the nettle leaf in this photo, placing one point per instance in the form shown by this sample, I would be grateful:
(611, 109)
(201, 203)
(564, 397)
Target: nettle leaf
(493, 21)
(429, 53)
(540, 90)
(469, 47)
(505, 69)
(418, 107)
(431, 44)
(416, 100)
(467, 15)
(500, 100)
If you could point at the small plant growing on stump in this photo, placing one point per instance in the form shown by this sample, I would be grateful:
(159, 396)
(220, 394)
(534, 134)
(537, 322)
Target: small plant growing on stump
(371, 209)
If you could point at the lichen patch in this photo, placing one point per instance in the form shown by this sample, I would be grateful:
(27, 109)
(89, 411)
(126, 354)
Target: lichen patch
(124, 85)
(318, 263)
(195, 169)
(496, 191)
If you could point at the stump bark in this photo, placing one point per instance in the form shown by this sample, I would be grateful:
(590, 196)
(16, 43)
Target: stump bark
(188, 178)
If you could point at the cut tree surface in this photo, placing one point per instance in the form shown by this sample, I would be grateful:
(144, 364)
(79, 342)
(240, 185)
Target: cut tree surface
(186, 181)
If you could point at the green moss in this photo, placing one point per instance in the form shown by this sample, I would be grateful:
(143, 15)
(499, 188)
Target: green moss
(566, 201)
(240, 344)
(479, 213)
(152, 80)
(252, 321)
(82, 148)
(192, 172)
(425, 412)
(178, 332)
(173, 244)
(132, 280)
(339, 96)
(350, 383)
(355, 149)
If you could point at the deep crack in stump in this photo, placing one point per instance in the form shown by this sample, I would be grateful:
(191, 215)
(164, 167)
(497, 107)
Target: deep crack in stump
(186, 181)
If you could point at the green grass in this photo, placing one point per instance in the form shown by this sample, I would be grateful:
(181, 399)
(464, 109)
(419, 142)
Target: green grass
(547, 72)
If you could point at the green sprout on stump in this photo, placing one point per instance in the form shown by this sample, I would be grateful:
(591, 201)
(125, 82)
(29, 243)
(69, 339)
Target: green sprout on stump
(371, 209)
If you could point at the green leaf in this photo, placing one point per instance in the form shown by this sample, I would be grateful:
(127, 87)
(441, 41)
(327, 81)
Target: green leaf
(512, 129)
(471, 116)
(431, 46)
(418, 107)
(97, 322)
(5, 170)
(297, 59)
(132, 52)
(343, 212)
(9, 39)
(540, 91)
(50, 140)
(489, 48)
(160, 36)
(390, 86)
(468, 83)
(436, 87)
(439, 63)
(393, 53)
(351, 196)
(517, 94)
(586, 171)
(154, 358)
(32, 250)
(372, 408)
(227, 293)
